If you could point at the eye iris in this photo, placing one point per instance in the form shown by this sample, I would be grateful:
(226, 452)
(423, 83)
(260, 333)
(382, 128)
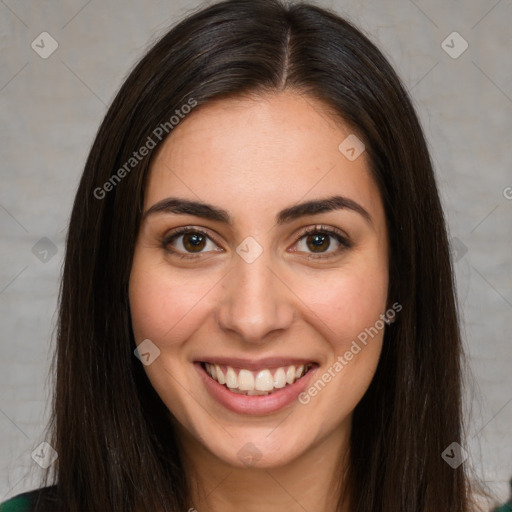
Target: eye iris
(196, 240)
(320, 241)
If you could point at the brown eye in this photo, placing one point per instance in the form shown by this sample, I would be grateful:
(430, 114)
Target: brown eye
(318, 242)
(194, 242)
(319, 239)
(189, 242)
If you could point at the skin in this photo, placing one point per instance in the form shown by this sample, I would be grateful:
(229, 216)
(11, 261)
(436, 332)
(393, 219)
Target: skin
(254, 157)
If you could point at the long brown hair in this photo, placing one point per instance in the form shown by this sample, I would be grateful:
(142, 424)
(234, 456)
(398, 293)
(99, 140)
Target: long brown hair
(114, 437)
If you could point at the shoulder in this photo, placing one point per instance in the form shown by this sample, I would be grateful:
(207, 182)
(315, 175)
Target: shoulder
(27, 501)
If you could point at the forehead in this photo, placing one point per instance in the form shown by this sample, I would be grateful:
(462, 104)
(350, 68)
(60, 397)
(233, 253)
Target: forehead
(260, 154)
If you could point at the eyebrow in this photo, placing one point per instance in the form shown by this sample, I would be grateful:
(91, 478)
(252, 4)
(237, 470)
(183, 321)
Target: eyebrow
(206, 211)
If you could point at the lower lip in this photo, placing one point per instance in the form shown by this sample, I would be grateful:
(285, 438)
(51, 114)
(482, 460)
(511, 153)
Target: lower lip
(245, 404)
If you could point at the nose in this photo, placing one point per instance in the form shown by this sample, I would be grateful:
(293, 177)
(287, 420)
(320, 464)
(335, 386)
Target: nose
(255, 301)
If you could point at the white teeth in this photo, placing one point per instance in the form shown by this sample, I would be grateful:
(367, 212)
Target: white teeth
(231, 378)
(279, 378)
(220, 375)
(263, 383)
(245, 380)
(290, 374)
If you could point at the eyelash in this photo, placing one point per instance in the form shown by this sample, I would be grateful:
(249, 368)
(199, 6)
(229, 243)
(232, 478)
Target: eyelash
(319, 229)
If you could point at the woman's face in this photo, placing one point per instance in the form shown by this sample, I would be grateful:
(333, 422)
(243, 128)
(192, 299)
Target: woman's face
(248, 291)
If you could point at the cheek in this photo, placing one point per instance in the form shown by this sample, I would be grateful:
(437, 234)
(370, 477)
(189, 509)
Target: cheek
(350, 313)
(166, 309)
(164, 306)
(347, 302)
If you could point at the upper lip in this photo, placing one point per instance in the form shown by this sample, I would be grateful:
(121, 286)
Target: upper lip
(256, 364)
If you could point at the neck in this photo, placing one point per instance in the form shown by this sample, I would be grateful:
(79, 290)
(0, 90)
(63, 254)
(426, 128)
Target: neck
(312, 481)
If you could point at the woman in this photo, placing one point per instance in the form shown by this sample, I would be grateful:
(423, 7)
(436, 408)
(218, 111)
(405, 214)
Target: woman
(257, 307)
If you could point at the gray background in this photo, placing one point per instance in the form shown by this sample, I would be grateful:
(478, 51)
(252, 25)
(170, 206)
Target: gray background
(51, 109)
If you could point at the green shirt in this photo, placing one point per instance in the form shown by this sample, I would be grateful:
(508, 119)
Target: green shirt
(26, 501)
(20, 503)
(504, 508)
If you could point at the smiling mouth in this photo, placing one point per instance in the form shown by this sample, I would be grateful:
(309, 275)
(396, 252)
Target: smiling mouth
(256, 383)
